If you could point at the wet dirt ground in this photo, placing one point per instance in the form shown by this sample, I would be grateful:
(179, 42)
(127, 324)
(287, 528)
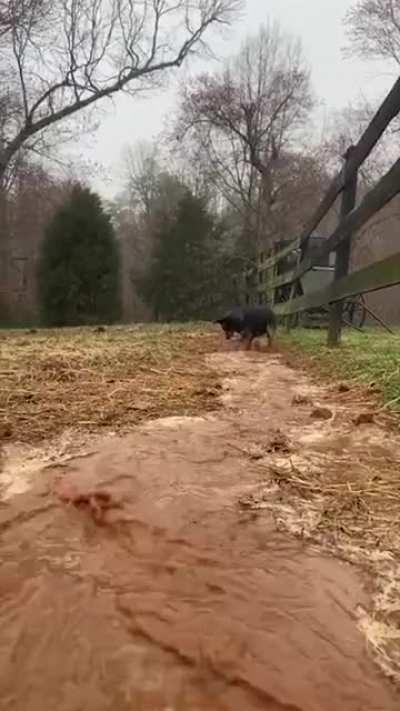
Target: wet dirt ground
(132, 579)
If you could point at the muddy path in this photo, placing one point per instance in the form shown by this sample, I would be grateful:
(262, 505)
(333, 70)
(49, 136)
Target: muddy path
(139, 577)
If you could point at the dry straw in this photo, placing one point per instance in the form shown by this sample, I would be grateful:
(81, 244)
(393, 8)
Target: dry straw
(92, 379)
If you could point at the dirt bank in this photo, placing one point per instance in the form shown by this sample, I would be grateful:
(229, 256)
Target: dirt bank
(151, 574)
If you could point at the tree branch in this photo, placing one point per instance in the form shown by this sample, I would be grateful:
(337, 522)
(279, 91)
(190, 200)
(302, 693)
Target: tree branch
(61, 76)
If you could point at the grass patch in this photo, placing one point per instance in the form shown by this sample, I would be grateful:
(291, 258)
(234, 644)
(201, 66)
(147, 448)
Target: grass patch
(90, 379)
(369, 357)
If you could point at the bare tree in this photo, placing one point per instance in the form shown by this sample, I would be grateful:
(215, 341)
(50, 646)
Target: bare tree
(345, 128)
(142, 170)
(149, 200)
(13, 13)
(373, 29)
(217, 164)
(63, 56)
(31, 202)
(247, 118)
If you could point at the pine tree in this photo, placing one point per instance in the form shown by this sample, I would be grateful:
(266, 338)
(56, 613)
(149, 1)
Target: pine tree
(78, 276)
(191, 273)
(175, 283)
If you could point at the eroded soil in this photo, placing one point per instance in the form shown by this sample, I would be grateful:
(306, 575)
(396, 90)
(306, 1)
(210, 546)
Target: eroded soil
(150, 574)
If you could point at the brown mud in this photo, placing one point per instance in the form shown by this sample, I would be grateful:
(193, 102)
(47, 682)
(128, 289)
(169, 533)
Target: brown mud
(132, 578)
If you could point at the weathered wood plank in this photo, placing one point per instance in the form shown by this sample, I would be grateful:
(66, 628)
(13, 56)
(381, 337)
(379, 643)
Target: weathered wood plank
(376, 276)
(276, 258)
(388, 110)
(281, 279)
(384, 191)
(342, 255)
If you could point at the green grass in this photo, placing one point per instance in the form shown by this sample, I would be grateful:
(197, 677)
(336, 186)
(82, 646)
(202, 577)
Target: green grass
(369, 357)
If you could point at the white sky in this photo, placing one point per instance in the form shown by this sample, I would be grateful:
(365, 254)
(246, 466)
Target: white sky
(336, 80)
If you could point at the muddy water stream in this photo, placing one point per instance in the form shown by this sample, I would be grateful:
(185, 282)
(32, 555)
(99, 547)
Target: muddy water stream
(160, 594)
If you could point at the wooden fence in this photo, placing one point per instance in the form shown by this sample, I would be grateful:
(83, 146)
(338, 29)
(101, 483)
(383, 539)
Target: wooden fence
(379, 275)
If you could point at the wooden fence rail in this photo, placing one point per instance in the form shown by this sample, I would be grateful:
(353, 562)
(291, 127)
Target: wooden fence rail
(375, 200)
(379, 275)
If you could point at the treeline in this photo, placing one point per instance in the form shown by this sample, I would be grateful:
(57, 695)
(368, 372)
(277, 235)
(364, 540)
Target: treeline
(187, 274)
(237, 168)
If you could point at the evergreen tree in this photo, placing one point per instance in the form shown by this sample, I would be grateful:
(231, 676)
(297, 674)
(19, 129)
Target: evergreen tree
(187, 278)
(78, 276)
(176, 273)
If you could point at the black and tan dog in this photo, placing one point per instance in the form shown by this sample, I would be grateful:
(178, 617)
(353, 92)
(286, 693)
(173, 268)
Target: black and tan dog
(250, 323)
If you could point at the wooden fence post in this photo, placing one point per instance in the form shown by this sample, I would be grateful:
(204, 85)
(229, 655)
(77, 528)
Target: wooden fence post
(342, 253)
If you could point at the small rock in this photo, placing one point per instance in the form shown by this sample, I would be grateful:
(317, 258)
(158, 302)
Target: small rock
(279, 443)
(5, 430)
(374, 389)
(301, 400)
(321, 413)
(247, 502)
(364, 418)
(255, 452)
(140, 406)
(343, 388)
(100, 329)
(32, 330)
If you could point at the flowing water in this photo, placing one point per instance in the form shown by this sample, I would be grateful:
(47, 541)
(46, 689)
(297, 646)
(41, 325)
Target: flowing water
(130, 579)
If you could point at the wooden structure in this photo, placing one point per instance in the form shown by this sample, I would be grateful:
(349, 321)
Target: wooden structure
(320, 276)
(283, 271)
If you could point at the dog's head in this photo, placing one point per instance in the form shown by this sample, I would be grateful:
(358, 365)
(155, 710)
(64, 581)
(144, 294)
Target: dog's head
(226, 327)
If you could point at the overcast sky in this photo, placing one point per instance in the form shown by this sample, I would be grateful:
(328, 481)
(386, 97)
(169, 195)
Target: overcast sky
(336, 80)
